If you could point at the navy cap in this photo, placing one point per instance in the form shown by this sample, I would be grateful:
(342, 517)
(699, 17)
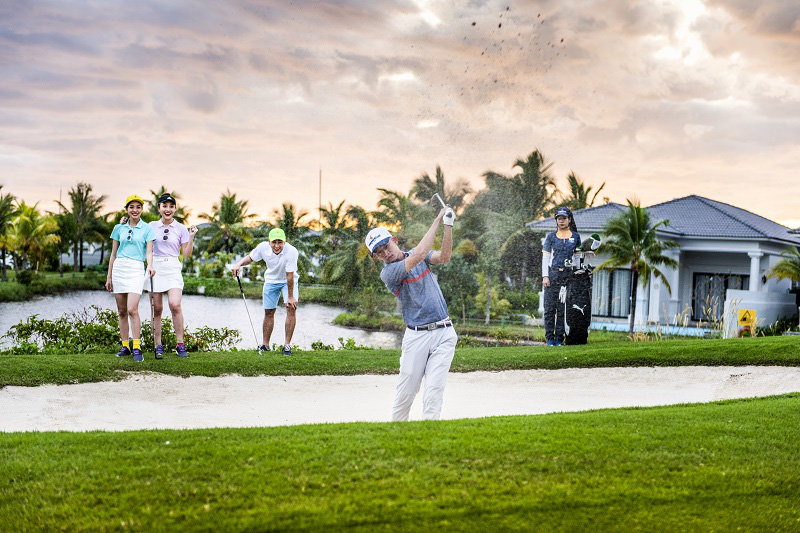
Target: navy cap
(166, 197)
(563, 212)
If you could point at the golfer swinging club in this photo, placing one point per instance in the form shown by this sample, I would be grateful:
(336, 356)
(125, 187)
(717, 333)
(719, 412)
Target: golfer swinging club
(429, 342)
(280, 278)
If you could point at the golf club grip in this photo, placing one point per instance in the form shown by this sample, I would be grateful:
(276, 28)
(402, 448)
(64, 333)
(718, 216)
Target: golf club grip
(240, 283)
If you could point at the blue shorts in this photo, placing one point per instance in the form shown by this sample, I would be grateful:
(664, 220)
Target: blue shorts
(273, 290)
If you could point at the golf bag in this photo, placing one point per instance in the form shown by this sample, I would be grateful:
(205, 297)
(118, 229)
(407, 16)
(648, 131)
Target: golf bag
(577, 303)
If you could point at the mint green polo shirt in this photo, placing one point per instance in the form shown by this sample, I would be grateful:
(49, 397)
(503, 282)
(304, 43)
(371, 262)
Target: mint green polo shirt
(133, 241)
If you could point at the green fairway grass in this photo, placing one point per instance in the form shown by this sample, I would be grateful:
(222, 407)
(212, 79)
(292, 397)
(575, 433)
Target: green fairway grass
(32, 370)
(709, 467)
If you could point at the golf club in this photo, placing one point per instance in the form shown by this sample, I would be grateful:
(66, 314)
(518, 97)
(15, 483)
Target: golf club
(241, 289)
(153, 320)
(449, 213)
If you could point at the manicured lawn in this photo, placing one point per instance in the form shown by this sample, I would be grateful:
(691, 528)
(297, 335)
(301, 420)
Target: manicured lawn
(710, 467)
(31, 370)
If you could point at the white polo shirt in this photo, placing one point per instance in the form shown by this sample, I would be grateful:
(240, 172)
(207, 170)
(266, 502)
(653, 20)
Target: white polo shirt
(277, 265)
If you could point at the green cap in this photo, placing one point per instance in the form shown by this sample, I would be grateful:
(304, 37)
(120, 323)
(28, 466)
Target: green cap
(277, 234)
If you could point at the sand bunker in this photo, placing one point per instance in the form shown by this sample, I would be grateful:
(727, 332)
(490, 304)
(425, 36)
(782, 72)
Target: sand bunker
(146, 401)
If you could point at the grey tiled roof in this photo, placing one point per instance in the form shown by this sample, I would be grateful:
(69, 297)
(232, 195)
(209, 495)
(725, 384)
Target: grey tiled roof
(697, 216)
(795, 231)
(690, 216)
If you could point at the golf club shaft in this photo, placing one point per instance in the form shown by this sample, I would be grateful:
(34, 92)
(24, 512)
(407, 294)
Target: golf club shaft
(241, 289)
(153, 317)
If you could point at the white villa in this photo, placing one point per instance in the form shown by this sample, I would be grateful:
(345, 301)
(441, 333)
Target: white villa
(725, 253)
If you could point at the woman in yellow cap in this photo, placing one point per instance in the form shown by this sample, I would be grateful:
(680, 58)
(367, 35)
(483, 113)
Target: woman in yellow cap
(132, 246)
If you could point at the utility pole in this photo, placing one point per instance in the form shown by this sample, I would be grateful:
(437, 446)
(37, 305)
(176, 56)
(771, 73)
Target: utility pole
(320, 198)
(60, 263)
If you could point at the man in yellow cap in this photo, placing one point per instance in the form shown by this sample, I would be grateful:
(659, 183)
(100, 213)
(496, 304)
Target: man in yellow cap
(280, 278)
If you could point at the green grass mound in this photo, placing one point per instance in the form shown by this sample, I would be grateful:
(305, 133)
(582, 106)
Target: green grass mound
(712, 467)
(38, 369)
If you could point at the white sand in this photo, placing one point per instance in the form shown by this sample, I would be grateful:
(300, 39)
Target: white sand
(145, 401)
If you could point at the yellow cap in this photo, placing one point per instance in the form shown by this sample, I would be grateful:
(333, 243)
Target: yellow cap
(134, 198)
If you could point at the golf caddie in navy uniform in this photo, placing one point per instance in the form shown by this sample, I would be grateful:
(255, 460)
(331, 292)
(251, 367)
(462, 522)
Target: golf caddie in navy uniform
(558, 252)
(429, 342)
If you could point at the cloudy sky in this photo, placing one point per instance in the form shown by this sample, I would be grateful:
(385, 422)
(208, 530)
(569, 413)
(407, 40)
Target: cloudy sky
(659, 99)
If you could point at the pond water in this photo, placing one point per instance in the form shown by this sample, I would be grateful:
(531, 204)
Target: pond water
(313, 320)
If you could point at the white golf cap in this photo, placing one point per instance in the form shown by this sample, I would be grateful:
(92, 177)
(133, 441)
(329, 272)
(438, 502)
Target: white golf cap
(377, 237)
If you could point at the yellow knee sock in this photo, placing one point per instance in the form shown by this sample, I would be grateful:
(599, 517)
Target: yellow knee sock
(125, 344)
(136, 344)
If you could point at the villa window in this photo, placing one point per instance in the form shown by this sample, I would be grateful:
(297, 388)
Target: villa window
(708, 294)
(611, 293)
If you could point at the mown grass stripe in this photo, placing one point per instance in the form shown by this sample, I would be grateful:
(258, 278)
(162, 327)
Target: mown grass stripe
(719, 466)
(32, 370)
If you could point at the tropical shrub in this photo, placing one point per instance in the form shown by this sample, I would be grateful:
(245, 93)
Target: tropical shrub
(95, 329)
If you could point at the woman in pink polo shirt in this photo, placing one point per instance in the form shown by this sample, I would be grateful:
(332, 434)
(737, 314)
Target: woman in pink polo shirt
(172, 240)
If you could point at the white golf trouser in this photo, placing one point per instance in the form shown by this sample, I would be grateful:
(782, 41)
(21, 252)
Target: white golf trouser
(428, 354)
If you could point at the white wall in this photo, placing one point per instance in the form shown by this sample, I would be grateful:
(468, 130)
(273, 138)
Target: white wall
(768, 307)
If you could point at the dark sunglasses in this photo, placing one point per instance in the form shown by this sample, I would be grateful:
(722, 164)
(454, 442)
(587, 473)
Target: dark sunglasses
(166, 230)
(130, 232)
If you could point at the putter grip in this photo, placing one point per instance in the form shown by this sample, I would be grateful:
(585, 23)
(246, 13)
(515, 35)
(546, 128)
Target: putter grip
(240, 283)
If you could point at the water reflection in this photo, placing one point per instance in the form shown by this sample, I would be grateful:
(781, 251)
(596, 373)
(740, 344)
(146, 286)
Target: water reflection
(313, 320)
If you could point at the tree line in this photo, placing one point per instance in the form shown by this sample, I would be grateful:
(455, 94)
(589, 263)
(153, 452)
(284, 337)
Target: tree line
(496, 265)
(496, 253)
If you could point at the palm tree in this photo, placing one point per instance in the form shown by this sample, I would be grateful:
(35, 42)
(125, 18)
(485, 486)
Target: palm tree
(351, 267)
(579, 193)
(631, 241)
(289, 219)
(66, 230)
(394, 208)
(84, 209)
(425, 187)
(32, 235)
(527, 195)
(7, 213)
(401, 214)
(334, 224)
(499, 213)
(788, 267)
(181, 213)
(227, 222)
(359, 221)
(102, 229)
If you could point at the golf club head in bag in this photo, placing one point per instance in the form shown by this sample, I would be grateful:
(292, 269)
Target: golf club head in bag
(591, 244)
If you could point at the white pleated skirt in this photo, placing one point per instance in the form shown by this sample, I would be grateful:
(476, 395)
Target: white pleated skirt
(127, 276)
(168, 274)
